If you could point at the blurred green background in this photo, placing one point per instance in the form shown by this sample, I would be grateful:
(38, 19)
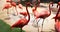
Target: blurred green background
(6, 28)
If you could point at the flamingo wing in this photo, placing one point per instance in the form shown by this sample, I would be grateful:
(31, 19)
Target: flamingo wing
(20, 23)
(24, 13)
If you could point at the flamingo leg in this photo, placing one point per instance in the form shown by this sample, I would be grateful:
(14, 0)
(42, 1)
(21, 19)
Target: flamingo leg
(7, 15)
(16, 10)
(42, 25)
(13, 11)
(33, 21)
(37, 25)
(21, 29)
(56, 30)
(7, 12)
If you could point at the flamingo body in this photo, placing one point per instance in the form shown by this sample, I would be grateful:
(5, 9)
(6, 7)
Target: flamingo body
(20, 23)
(42, 14)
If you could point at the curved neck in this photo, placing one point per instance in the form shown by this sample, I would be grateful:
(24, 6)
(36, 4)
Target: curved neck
(37, 4)
(36, 7)
(57, 13)
(50, 7)
(28, 14)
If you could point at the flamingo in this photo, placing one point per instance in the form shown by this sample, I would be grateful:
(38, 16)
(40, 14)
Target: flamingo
(22, 22)
(57, 19)
(14, 5)
(44, 14)
(7, 6)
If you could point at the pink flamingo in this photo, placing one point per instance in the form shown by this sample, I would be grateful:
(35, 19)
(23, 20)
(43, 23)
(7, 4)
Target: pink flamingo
(7, 6)
(44, 14)
(22, 22)
(13, 4)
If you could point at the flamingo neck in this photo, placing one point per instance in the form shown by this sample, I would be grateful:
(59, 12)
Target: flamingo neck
(37, 5)
(57, 13)
(50, 7)
(28, 14)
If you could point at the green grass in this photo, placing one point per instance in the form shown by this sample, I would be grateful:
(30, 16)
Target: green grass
(6, 28)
